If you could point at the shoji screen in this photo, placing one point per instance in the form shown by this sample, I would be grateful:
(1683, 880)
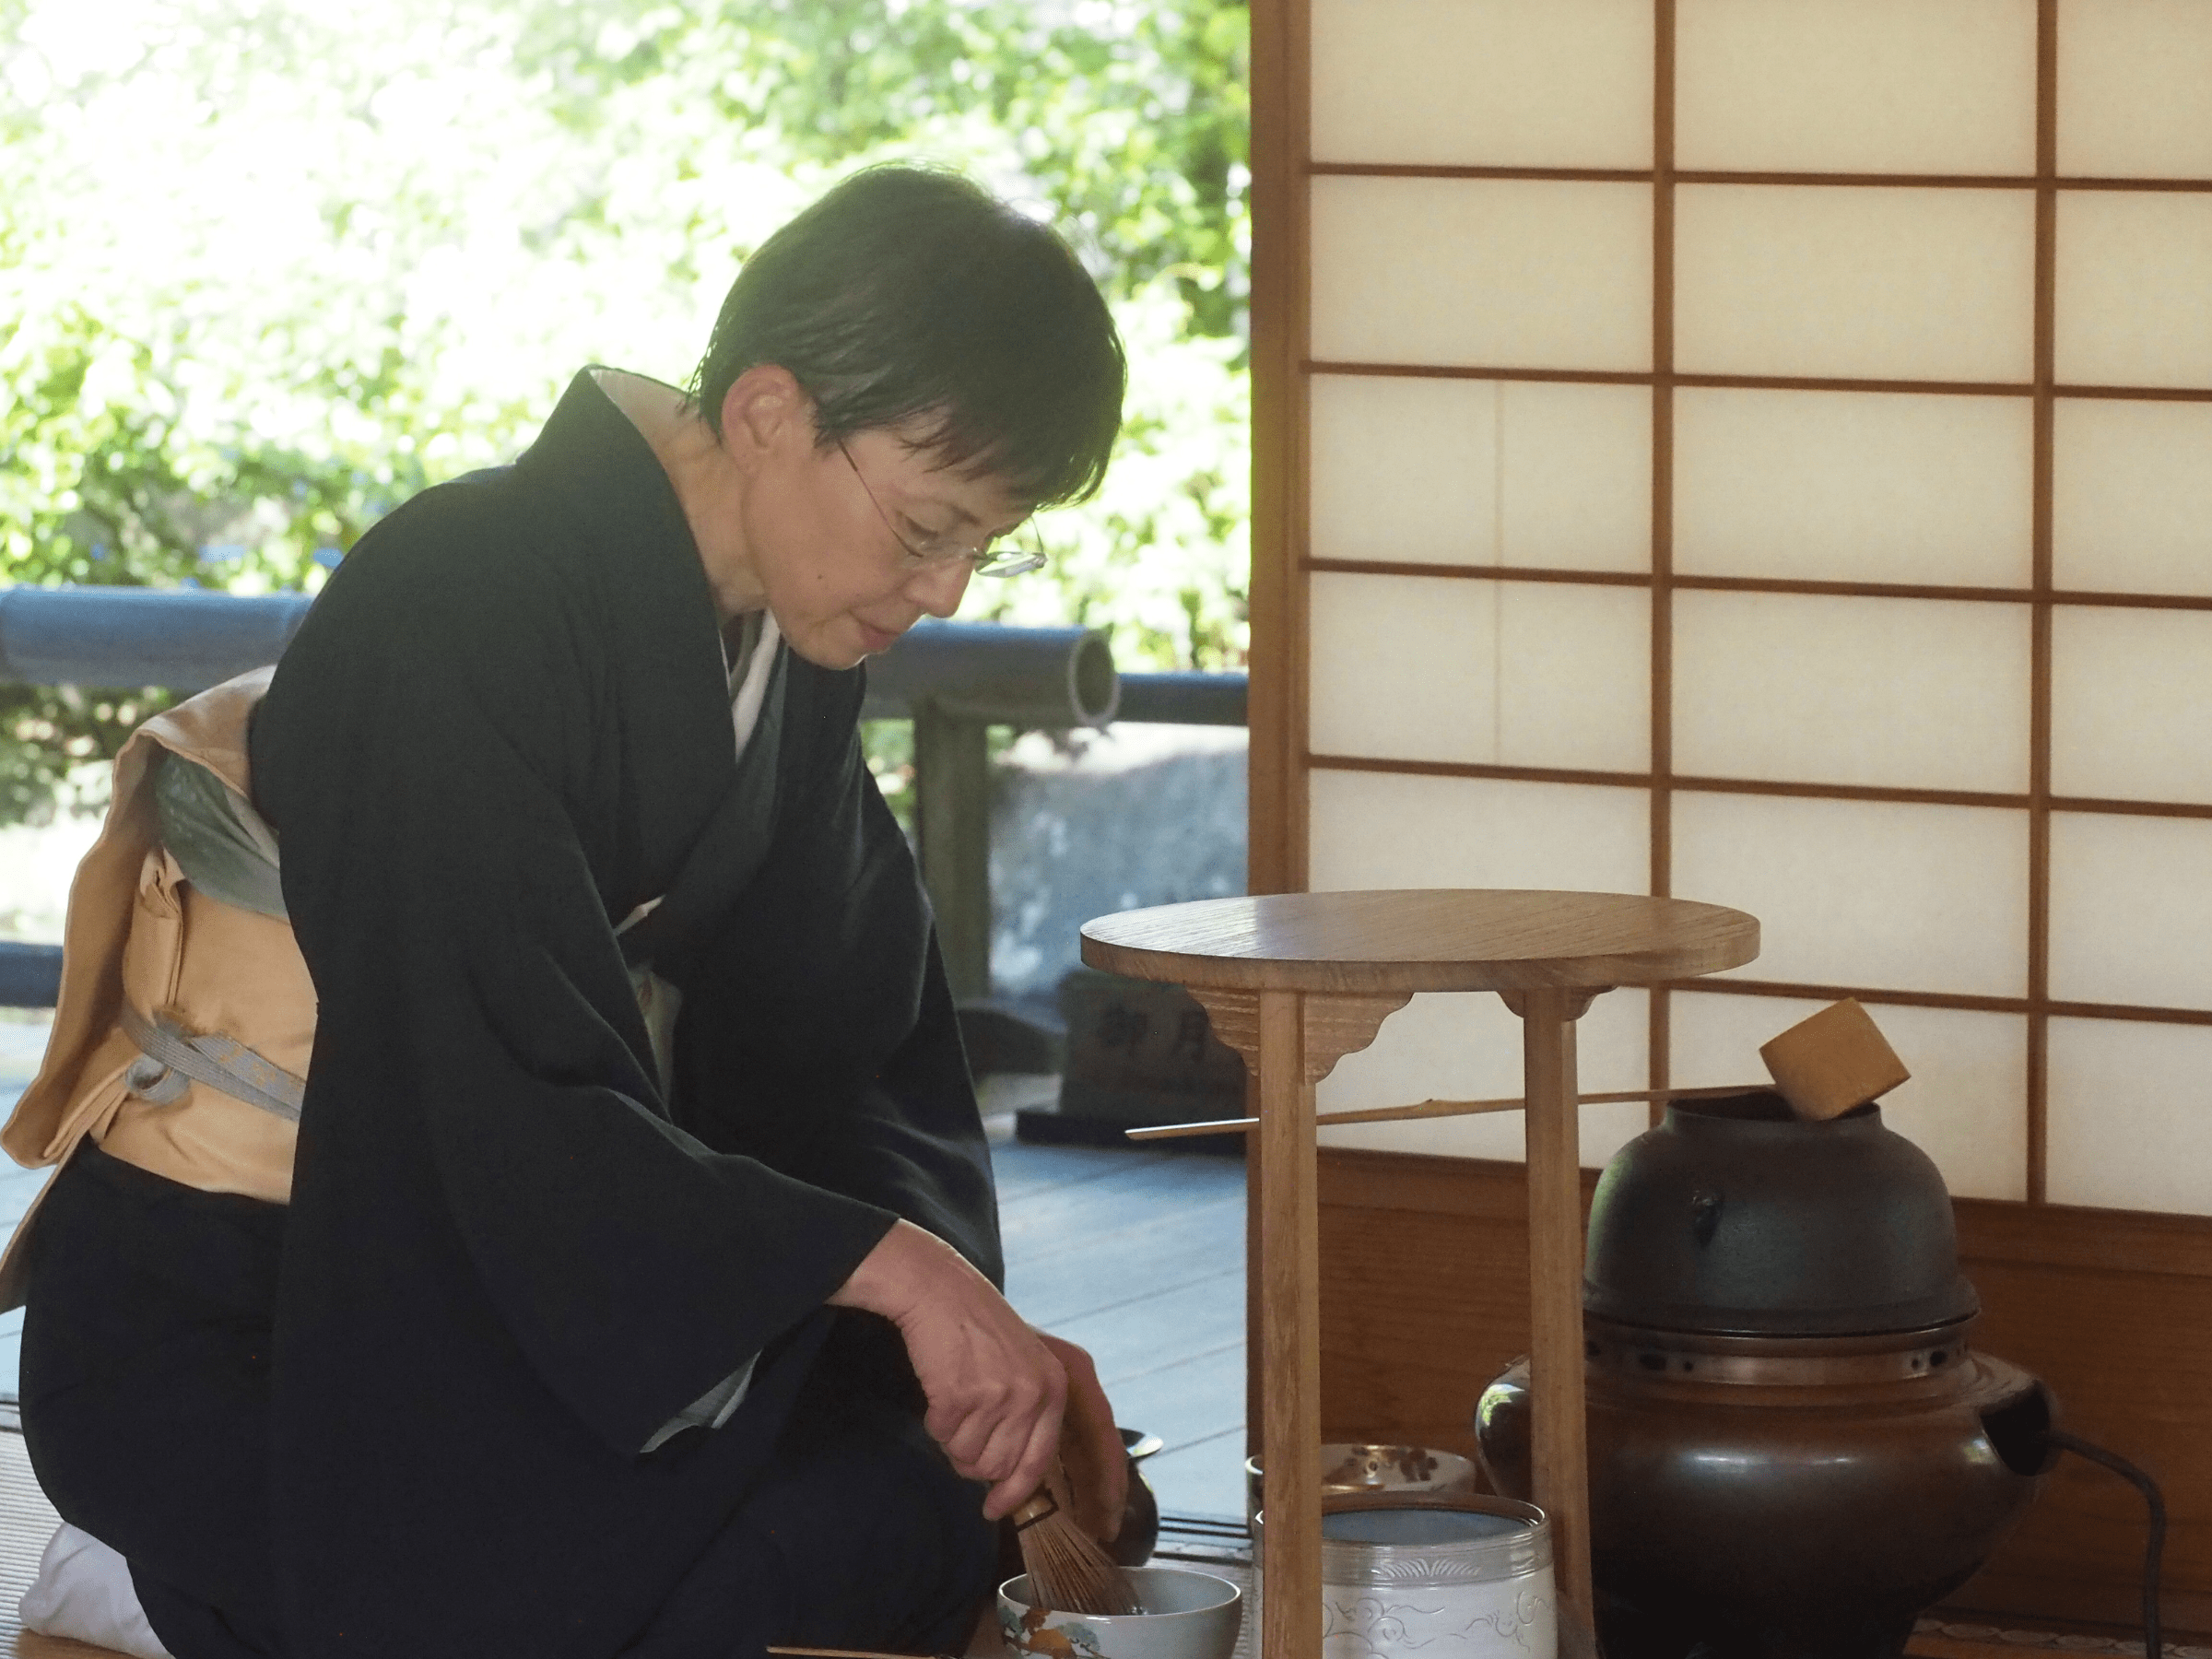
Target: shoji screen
(1761, 450)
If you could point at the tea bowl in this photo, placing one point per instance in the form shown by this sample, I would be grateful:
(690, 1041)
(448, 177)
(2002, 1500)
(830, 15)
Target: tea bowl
(1189, 1616)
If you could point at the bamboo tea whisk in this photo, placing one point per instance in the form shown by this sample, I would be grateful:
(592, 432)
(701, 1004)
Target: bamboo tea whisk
(1069, 1570)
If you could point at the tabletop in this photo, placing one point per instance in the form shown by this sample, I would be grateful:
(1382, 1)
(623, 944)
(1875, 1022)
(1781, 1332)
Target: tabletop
(1421, 939)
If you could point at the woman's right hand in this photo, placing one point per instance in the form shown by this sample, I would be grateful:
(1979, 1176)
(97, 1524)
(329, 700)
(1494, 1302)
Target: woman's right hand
(996, 1392)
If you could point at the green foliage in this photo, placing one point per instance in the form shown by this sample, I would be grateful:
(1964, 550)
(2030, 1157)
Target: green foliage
(1129, 121)
(268, 267)
(89, 490)
(55, 744)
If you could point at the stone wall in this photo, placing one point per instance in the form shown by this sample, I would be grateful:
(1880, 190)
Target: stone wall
(1102, 821)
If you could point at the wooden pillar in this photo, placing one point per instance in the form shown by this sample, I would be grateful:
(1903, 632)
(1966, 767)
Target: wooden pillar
(1555, 1289)
(1289, 1040)
(1290, 1271)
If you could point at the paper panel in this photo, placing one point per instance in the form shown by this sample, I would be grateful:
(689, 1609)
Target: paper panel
(2134, 273)
(1966, 1105)
(1574, 472)
(1513, 272)
(1501, 674)
(2131, 698)
(2132, 76)
(1481, 472)
(2131, 910)
(1466, 1046)
(1405, 667)
(2131, 1115)
(1874, 284)
(1853, 486)
(2132, 496)
(1404, 469)
(1856, 86)
(1903, 693)
(1873, 893)
(1495, 83)
(1574, 677)
(1376, 830)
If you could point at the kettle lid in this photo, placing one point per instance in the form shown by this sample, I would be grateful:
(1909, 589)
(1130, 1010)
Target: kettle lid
(1735, 1217)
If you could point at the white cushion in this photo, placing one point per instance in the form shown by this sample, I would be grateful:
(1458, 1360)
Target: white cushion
(84, 1592)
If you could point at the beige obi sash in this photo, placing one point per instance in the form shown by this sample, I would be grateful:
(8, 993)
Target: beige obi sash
(143, 948)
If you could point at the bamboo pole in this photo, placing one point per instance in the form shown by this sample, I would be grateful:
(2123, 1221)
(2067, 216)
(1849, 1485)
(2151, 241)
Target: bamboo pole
(1442, 1109)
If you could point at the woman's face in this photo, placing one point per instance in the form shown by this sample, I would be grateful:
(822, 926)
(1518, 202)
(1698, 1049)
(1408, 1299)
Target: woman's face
(829, 537)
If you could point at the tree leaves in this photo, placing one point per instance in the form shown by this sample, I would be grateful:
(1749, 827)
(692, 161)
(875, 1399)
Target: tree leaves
(267, 268)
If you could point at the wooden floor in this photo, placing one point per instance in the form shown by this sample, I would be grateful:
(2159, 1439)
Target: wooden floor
(1138, 1255)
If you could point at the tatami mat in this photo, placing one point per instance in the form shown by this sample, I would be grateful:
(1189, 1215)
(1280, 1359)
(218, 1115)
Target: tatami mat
(26, 1520)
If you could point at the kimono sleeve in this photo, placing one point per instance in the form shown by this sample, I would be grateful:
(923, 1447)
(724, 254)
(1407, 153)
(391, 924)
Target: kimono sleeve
(435, 755)
(818, 1032)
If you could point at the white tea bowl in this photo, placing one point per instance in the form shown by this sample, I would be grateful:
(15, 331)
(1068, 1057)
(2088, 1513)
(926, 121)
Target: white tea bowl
(1187, 1615)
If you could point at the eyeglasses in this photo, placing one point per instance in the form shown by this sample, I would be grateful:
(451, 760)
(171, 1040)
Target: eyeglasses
(1011, 557)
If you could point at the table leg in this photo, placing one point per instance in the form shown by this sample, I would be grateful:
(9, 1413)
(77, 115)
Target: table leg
(1291, 1324)
(1555, 1257)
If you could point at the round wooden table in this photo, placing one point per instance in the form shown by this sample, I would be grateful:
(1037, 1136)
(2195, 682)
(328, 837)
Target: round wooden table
(1296, 980)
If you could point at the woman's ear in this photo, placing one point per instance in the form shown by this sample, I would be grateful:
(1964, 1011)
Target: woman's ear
(764, 411)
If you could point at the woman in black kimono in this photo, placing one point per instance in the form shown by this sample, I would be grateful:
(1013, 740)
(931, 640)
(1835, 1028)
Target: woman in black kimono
(601, 1323)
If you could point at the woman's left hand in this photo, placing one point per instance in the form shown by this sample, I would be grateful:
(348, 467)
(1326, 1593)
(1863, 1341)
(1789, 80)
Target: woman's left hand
(1090, 1444)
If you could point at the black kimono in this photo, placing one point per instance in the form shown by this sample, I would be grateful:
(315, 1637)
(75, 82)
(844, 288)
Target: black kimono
(405, 1416)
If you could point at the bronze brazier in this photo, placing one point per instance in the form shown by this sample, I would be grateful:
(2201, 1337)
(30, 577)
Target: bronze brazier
(1794, 1449)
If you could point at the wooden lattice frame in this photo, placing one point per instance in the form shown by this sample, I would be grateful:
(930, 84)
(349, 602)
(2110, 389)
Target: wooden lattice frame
(1282, 759)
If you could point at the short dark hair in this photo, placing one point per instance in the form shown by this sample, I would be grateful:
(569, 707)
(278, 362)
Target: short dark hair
(908, 292)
